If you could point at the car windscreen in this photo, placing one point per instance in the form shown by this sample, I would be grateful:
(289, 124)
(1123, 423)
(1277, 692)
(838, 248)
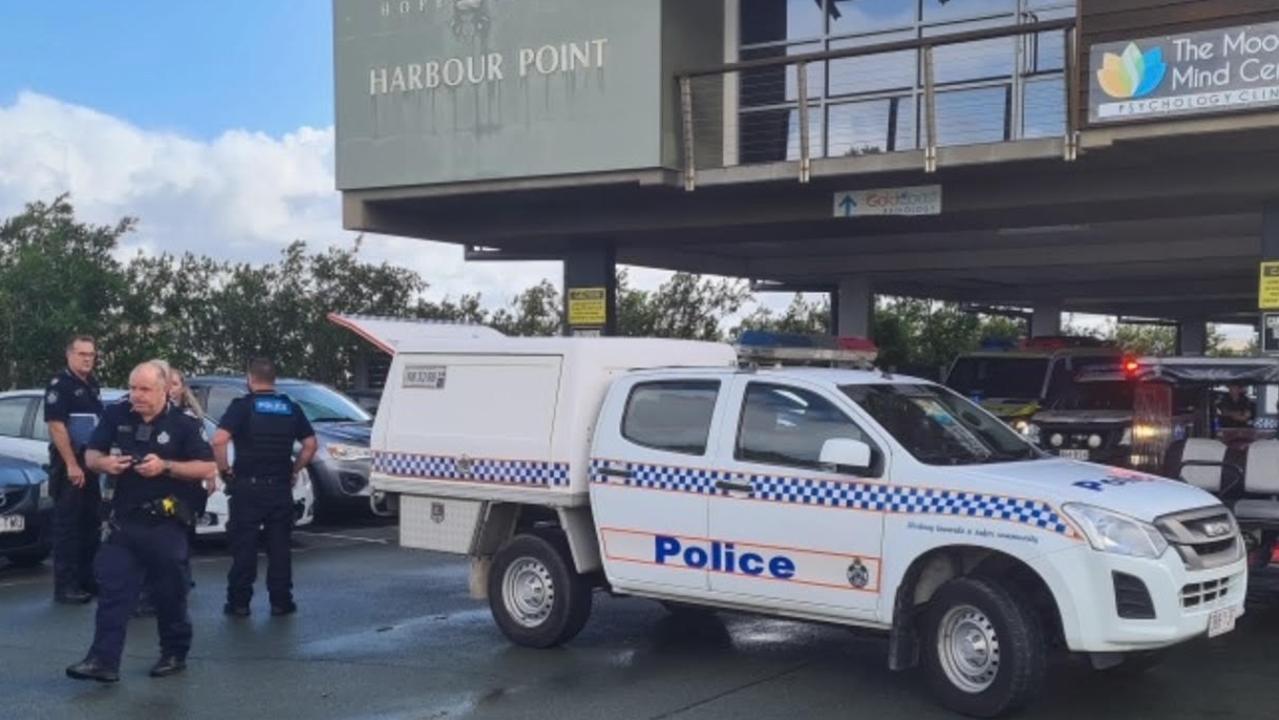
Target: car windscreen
(937, 426)
(323, 404)
(998, 377)
(1105, 395)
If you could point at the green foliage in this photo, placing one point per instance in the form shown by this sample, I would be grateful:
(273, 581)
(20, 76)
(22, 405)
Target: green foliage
(59, 276)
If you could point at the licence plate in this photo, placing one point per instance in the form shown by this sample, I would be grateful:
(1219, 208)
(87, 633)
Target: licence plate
(12, 523)
(1075, 454)
(1221, 621)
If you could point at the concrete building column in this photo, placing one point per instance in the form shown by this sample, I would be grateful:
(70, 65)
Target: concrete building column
(855, 306)
(1192, 336)
(589, 273)
(1045, 320)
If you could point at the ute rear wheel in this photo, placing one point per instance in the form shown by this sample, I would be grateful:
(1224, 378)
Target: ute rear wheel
(984, 650)
(535, 595)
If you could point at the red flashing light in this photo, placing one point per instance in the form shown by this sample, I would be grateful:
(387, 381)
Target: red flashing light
(850, 342)
(1131, 366)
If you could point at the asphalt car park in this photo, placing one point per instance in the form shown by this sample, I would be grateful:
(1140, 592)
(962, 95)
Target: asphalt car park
(391, 633)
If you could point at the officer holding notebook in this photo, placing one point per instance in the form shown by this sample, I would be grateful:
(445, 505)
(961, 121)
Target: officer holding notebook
(72, 407)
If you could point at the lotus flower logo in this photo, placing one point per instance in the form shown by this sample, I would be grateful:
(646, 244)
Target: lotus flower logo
(1133, 74)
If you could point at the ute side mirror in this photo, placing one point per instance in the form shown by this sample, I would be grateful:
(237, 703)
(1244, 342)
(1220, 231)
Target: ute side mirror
(846, 455)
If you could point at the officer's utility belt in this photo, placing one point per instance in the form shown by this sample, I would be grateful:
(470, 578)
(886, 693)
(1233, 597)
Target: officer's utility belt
(262, 481)
(168, 508)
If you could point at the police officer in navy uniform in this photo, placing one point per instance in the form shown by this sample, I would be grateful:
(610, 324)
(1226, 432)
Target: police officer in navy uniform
(72, 407)
(264, 425)
(155, 452)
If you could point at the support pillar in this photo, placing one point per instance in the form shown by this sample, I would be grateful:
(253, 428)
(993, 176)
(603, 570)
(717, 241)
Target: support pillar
(855, 307)
(590, 291)
(1192, 336)
(1045, 320)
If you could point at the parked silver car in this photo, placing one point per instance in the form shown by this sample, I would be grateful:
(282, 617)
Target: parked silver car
(340, 470)
(24, 435)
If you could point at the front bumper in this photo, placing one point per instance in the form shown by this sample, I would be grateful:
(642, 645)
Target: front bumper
(1083, 581)
(36, 536)
(342, 479)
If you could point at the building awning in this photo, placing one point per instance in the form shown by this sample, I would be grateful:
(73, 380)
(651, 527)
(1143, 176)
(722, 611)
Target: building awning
(387, 334)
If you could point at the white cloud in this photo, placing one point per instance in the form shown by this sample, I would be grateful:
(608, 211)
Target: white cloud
(241, 196)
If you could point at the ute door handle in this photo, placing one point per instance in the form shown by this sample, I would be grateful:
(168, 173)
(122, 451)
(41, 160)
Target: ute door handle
(615, 472)
(733, 486)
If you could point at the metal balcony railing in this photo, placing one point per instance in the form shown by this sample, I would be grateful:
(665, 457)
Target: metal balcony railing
(995, 84)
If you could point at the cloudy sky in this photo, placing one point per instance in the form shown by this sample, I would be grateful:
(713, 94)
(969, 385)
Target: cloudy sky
(212, 122)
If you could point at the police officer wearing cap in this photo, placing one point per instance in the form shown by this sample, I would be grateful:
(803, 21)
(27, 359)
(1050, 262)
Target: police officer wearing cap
(155, 453)
(72, 407)
(264, 425)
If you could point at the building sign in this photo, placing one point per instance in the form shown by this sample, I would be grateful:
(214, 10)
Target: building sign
(1210, 71)
(1270, 333)
(447, 91)
(1268, 292)
(587, 306)
(917, 200)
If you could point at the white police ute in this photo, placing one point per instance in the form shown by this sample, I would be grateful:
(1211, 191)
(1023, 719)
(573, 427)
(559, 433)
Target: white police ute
(663, 469)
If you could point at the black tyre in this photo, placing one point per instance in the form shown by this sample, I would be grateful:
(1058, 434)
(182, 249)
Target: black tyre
(536, 596)
(984, 650)
(29, 560)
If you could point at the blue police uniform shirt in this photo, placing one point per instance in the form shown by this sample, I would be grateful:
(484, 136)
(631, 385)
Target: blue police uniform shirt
(171, 435)
(77, 404)
(264, 426)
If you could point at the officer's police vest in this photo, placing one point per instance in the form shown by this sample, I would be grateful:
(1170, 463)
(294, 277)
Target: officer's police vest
(271, 431)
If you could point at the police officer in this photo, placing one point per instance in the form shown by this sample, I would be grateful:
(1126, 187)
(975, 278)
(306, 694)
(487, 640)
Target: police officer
(72, 408)
(264, 425)
(155, 453)
(1235, 410)
(196, 495)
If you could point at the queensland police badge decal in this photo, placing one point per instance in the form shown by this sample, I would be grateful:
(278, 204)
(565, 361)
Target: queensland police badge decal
(858, 574)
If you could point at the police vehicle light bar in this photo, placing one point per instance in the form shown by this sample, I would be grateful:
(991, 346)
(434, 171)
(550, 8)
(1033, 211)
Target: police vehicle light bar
(758, 346)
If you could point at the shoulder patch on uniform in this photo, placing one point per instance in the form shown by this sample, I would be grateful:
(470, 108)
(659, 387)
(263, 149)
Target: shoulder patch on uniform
(52, 396)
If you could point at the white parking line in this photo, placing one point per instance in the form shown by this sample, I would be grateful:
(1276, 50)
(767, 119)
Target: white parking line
(339, 536)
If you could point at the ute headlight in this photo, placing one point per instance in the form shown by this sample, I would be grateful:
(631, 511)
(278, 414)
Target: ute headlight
(1056, 440)
(1028, 430)
(342, 451)
(1114, 533)
(1094, 441)
(1126, 438)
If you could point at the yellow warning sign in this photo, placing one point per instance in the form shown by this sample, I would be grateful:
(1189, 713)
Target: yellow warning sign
(586, 306)
(1268, 293)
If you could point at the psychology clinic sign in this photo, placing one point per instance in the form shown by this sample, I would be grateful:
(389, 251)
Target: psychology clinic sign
(1209, 71)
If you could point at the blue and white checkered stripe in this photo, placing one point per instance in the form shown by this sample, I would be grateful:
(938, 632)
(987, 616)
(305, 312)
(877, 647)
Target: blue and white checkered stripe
(481, 470)
(831, 493)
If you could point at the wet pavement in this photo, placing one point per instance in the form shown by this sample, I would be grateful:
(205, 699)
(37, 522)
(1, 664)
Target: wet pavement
(390, 633)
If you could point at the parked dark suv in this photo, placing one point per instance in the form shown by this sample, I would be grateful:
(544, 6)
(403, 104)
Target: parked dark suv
(26, 512)
(340, 470)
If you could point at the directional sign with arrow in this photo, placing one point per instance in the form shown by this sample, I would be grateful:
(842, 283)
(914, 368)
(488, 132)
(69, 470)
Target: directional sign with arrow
(916, 200)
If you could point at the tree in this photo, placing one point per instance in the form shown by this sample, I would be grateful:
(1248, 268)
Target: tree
(685, 306)
(801, 316)
(57, 277)
(536, 311)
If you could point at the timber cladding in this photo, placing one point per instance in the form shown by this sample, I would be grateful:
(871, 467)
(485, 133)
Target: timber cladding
(1102, 21)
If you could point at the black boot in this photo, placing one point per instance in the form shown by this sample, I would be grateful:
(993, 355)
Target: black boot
(168, 665)
(91, 668)
(71, 596)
